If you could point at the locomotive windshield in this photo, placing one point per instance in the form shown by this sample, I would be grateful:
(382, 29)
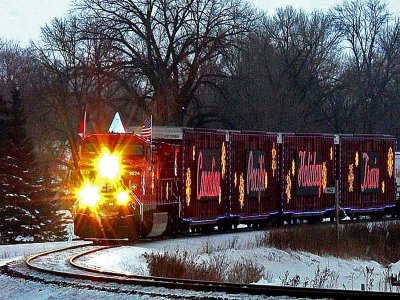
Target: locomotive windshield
(130, 149)
(91, 148)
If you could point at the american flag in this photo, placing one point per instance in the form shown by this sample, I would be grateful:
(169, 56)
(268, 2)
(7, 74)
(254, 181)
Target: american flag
(147, 128)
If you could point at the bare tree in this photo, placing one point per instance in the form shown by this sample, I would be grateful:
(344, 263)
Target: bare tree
(370, 69)
(284, 75)
(69, 74)
(166, 44)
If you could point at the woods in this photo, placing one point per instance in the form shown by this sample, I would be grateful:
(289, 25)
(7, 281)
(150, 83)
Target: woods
(201, 63)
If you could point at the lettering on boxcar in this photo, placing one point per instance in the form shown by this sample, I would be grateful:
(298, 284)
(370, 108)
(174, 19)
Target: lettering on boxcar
(257, 177)
(309, 173)
(370, 172)
(208, 174)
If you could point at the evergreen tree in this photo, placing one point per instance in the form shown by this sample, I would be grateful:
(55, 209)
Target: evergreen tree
(25, 198)
(52, 225)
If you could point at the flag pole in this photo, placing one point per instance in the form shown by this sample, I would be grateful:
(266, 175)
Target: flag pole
(151, 126)
(151, 138)
(84, 124)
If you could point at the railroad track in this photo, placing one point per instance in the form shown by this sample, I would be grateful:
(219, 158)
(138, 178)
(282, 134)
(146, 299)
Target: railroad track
(65, 263)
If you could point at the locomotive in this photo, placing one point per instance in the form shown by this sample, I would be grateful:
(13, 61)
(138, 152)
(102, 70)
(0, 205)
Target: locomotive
(201, 179)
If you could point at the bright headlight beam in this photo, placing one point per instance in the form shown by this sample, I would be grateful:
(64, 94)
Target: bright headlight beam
(108, 166)
(89, 195)
(123, 198)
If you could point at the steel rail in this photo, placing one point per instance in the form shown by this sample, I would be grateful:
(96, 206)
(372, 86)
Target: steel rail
(29, 260)
(233, 288)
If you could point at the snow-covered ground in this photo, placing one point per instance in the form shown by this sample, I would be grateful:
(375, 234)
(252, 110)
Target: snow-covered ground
(280, 267)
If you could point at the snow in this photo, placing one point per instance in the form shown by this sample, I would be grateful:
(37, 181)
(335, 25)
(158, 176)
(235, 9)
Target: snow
(20, 289)
(280, 267)
(17, 288)
(14, 252)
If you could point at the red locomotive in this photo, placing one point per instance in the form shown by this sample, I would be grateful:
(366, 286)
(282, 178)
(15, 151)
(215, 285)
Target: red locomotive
(200, 179)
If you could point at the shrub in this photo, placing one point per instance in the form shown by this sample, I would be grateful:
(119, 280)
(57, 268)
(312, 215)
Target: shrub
(378, 241)
(184, 265)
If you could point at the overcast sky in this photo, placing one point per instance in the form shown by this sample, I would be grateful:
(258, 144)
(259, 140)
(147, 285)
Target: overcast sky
(20, 20)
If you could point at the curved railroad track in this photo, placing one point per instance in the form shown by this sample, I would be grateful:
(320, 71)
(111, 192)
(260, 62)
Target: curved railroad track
(65, 263)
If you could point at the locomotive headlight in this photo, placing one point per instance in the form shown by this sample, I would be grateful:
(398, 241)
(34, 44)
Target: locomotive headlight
(108, 166)
(123, 198)
(89, 195)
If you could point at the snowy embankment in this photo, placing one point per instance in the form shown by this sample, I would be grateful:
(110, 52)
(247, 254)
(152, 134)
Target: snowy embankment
(287, 268)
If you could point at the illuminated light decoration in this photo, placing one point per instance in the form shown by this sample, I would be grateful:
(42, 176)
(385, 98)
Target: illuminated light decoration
(143, 185)
(324, 175)
(331, 153)
(350, 178)
(235, 179)
(390, 162)
(383, 187)
(356, 160)
(188, 186)
(223, 160)
(208, 181)
(194, 152)
(219, 196)
(241, 191)
(108, 166)
(266, 180)
(293, 167)
(273, 164)
(89, 195)
(152, 181)
(369, 174)
(288, 190)
(309, 174)
(166, 191)
(176, 163)
(122, 198)
(257, 177)
(116, 125)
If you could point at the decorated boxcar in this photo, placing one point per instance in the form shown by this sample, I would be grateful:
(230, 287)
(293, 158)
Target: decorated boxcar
(254, 177)
(205, 191)
(367, 174)
(308, 168)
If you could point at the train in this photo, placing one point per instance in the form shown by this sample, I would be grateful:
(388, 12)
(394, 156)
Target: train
(200, 180)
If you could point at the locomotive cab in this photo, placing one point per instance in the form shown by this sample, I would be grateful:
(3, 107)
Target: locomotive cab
(108, 201)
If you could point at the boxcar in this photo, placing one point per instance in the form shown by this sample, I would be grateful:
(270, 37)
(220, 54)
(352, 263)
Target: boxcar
(254, 176)
(367, 174)
(307, 168)
(204, 198)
